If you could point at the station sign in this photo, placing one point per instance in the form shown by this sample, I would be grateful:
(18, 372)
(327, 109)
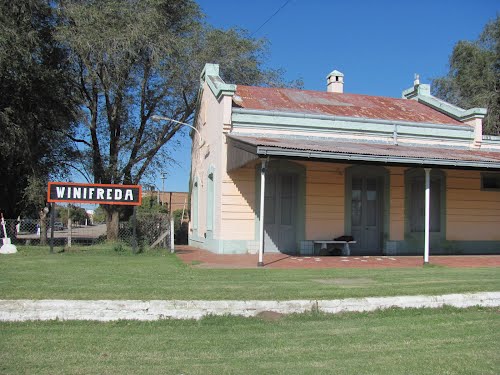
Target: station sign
(130, 195)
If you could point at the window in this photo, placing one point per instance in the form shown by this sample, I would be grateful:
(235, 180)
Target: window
(416, 206)
(210, 201)
(194, 205)
(490, 181)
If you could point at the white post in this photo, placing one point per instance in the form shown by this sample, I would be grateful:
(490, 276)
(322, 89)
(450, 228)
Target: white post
(172, 233)
(7, 247)
(3, 226)
(261, 215)
(427, 213)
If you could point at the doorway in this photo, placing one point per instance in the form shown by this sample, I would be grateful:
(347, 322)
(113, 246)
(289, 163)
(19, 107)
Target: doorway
(365, 208)
(280, 212)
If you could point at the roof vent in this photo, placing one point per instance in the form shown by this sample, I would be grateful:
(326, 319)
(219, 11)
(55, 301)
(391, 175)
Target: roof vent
(335, 82)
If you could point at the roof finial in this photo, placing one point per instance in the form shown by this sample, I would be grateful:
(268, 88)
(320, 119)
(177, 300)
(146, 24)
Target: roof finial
(416, 82)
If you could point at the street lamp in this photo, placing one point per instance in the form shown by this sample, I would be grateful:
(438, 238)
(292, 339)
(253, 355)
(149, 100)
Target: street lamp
(163, 118)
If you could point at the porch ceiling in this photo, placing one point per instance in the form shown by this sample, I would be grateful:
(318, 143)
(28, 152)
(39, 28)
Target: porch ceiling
(352, 152)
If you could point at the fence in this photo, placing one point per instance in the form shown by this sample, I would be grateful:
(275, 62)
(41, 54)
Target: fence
(150, 229)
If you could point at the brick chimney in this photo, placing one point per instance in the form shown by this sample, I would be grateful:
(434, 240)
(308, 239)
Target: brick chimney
(335, 82)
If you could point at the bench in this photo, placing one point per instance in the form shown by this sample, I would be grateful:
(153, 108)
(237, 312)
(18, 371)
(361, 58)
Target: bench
(324, 243)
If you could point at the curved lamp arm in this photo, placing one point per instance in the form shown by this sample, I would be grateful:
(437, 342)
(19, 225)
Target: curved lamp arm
(163, 118)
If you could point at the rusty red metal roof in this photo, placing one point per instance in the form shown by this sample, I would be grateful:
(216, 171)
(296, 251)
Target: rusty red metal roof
(327, 103)
(389, 153)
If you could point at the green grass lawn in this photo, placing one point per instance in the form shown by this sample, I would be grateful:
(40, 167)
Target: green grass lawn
(102, 273)
(424, 341)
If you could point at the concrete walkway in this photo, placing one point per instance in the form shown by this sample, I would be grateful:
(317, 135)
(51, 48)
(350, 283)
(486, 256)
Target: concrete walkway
(111, 310)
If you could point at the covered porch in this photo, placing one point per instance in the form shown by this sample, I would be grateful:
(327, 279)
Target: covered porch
(386, 199)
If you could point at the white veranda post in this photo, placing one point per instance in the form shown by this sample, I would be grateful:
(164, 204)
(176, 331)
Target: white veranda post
(427, 213)
(261, 214)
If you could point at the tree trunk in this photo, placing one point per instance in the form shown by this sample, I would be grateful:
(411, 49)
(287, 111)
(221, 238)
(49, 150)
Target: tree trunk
(112, 223)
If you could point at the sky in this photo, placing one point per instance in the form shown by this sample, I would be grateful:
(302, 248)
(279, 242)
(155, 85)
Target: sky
(378, 45)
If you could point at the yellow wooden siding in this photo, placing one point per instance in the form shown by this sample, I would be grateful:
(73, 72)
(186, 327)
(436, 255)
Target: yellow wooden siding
(397, 204)
(324, 200)
(237, 205)
(472, 214)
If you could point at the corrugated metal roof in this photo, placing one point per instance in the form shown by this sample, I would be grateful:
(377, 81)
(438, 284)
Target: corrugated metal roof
(403, 154)
(327, 103)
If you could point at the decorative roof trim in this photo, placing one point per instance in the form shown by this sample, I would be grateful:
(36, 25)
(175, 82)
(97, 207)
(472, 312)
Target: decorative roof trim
(210, 75)
(301, 115)
(451, 110)
(422, 93)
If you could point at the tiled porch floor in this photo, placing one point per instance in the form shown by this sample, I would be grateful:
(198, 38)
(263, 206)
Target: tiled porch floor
(206, 259)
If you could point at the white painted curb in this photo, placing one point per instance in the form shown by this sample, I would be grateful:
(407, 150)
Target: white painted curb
(110, 310)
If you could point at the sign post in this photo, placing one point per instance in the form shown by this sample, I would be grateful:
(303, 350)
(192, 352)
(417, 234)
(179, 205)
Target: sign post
(134, 231)
(52, 222)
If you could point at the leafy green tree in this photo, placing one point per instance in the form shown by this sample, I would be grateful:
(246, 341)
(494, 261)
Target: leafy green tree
(99, 215)
(140, 58)
(474, 76)
(150, 203)
(77, 214)
(37, 106)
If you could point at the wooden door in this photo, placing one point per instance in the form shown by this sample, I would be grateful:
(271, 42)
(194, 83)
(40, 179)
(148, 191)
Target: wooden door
(280, 213)
(366, 215)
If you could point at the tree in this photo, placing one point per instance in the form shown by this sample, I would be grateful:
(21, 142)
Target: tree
(151, 204)
(36, 106)
(77, 214)
(138, 58)
(99, 216)
(474, 76)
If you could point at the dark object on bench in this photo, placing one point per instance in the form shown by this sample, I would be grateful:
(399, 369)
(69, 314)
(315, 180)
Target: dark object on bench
(330, 251)
(344, 238)
(333, 250)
